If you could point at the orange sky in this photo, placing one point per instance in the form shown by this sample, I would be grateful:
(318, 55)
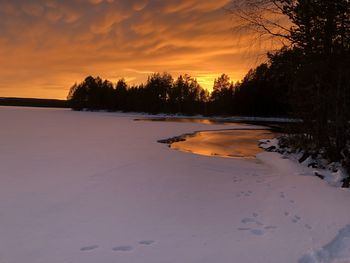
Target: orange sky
(48, 45)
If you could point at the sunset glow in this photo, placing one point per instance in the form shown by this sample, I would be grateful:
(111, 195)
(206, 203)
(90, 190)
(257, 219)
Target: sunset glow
(48, 45)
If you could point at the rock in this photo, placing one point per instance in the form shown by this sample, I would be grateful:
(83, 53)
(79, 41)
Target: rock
(346, 182)
(304, 157)
(172, 140)
(319, 175)
(313, 165)
(271, 149)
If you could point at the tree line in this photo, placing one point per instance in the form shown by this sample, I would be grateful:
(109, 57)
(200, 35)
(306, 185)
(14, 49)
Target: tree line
(255, 95)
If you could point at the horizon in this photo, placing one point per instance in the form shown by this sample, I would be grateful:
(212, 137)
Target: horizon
(47, 46)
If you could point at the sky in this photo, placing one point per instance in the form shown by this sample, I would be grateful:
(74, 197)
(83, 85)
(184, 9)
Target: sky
(48, 45)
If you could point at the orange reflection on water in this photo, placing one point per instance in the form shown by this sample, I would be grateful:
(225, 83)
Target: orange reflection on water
(227, 143)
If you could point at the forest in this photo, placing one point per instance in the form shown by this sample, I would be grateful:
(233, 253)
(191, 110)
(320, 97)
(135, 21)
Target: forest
(256, 95)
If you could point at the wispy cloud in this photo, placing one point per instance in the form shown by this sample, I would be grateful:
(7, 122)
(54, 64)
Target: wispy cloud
(47, 45)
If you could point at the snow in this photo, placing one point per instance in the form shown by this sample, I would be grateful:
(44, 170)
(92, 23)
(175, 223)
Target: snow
(332, 173)
(97, 187)
(335, 251)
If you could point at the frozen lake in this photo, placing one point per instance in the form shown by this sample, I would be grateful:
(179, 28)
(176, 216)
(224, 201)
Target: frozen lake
(97, 187)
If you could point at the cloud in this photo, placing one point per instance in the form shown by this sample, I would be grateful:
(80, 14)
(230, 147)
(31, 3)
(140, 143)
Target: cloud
(96, 2)
(47, 45)
(139, 5)
(194, 5)
(105, 24)
(33, 9)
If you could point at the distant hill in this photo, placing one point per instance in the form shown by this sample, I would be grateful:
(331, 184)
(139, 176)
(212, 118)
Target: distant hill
(32, 102)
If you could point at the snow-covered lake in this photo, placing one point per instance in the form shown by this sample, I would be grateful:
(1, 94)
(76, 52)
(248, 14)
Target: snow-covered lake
(97, 187)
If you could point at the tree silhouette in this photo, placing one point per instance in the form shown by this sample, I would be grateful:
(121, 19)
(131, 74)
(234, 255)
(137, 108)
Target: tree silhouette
(222, 96)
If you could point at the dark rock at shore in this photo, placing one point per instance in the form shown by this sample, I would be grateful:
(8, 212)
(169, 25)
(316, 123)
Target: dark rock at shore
(313, 165)
(346, 182)
(172, 140)
(304, 157)
(319, 175)
(271, 149)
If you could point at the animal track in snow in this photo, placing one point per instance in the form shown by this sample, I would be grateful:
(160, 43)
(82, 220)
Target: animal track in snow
(258, 228)
(283, 196)
(296, 219)
(88, 248)
(123, 248)
(248, 220)
(308, 226)
(245, 193)
(146, 242)
(270, 227)
(257, 232)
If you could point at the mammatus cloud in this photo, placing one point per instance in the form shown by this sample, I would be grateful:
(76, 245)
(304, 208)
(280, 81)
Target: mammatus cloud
(47, 45)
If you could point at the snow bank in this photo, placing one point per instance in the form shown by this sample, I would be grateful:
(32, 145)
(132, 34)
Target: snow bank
(332, 173)
(336, 251)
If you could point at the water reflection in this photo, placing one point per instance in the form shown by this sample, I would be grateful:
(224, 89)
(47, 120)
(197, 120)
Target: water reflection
(227, 143)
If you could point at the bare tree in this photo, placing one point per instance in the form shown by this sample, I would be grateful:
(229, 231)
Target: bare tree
(262, 19)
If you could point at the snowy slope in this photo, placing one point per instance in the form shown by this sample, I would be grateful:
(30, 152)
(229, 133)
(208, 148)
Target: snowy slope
(82, 187)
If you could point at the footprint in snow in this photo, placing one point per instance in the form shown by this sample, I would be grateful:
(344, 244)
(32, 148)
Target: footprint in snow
(123, 248)
(244, 193)
(248, 220)
(88, 248)
(260, 230)
(247, 193)
(296, 219)
(257, 232)
(308, 226)
(270, 227)
(146, 242)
